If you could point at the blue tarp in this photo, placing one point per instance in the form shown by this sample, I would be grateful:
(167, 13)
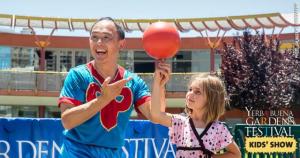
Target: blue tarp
(42, 138)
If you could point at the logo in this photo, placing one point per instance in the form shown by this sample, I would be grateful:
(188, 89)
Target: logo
(109, 114)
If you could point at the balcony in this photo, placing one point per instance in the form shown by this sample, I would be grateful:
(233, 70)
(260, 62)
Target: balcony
(37, 83)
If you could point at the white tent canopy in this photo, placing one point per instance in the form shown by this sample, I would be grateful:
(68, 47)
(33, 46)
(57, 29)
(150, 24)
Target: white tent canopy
(256, 21)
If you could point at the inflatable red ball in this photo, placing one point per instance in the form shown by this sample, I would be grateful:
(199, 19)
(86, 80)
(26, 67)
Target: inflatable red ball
(161, 40)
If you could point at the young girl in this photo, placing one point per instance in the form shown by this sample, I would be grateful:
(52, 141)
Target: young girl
(199, 133)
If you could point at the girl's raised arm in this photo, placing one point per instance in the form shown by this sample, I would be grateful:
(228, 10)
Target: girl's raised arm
(158, 100)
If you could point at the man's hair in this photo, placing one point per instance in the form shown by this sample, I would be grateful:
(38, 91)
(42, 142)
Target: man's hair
(120, 31)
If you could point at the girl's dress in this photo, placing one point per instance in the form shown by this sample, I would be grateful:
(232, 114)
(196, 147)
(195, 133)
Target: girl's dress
(190, 144)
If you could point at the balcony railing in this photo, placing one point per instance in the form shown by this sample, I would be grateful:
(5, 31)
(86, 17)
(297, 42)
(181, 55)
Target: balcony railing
(53, 81)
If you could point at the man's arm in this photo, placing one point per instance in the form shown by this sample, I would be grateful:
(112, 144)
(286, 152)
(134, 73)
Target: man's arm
(145, 109)
(72, 116)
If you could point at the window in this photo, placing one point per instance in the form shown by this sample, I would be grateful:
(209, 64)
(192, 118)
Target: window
(22, 57)
(181, 62)
(26, 111)
(5, 111)
(5, 56)
(143, 63)
(201, 61)
(65, 60)
(80, 57)
(52, 112)
(51, 60)
(126, 60)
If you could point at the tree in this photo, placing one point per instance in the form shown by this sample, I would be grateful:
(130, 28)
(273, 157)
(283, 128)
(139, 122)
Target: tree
(257, 74)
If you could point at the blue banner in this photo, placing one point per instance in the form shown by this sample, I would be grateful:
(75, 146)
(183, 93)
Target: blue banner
(42, 138)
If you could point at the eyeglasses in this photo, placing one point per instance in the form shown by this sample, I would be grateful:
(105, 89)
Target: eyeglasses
(104, 39)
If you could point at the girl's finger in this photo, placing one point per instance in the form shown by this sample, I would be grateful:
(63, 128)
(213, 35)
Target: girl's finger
(164, 66)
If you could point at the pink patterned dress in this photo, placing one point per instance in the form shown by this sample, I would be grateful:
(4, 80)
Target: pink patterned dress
(190, 144)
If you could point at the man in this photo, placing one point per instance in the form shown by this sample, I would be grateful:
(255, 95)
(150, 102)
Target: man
(98, 97)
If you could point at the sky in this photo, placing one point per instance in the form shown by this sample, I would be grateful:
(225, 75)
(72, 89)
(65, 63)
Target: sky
(142, 9)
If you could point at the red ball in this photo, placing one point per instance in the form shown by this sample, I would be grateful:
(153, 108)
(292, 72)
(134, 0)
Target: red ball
(161, 40)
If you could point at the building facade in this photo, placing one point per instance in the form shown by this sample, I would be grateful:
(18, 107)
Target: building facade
(25, 91)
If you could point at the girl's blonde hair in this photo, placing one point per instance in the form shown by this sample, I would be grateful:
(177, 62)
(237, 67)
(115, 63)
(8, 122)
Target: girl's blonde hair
(215, 92)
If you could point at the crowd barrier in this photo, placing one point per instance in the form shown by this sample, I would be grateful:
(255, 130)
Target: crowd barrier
(42, 138)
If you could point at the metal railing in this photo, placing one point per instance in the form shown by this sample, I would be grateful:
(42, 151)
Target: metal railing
(53, 81)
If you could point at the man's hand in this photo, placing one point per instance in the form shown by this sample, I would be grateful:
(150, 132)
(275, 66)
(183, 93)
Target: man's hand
(111, 91)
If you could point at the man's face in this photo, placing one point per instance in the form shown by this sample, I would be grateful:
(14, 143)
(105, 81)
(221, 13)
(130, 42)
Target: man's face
(104, 42)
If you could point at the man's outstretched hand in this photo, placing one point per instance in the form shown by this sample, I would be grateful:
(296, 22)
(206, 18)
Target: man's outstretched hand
(111, 91)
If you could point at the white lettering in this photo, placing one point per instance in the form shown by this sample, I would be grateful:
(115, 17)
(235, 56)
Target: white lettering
(20, 148)
(162, 151)
(169, 149)
(146, 148)
(7, 149)
(125, 151)
(155, 148)
(136, 146)
(40, 148)
(55, 146)
(161, 148)
(248, 110)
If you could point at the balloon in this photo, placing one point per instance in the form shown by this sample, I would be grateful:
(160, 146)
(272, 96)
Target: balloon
(161, 40)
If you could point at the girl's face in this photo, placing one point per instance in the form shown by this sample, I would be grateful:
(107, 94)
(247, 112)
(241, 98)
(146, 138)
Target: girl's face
(195, 97)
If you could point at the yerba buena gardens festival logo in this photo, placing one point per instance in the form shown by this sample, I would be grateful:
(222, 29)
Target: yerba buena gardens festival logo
(270, 131)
